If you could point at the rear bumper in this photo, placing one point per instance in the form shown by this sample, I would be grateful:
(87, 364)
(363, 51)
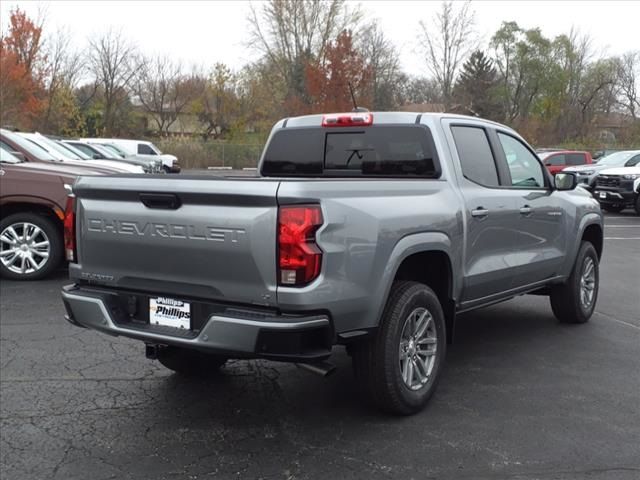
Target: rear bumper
(232, 332)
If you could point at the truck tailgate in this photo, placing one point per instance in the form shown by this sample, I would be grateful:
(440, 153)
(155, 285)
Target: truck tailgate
(197, 236)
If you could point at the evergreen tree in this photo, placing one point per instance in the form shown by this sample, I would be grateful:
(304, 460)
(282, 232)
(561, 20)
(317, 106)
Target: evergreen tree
(476, 86)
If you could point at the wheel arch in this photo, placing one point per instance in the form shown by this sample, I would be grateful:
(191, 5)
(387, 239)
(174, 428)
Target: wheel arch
(32, 205)
(593, 233)
(426, 258)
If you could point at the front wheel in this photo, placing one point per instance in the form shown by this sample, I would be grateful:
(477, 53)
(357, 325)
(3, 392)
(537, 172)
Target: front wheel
(637, 205)
(575, 300)
(399, 367)
(189, 362)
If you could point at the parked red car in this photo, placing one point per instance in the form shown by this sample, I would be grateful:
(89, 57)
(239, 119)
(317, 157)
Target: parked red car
(559, 160)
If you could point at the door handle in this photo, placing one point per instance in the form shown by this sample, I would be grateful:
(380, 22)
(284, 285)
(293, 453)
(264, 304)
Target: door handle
(526, 210)
(166, 201)
(479, 212)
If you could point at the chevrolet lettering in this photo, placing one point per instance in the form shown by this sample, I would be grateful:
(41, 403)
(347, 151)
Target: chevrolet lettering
(166, 230)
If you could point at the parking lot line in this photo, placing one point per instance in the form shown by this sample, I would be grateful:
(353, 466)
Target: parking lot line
(617, 320)
(622, 226)
(622, 238)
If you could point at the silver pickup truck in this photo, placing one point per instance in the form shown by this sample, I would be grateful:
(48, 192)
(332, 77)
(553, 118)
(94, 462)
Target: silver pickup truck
(367, 230)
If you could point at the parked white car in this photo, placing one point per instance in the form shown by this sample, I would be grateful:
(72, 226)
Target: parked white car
(111, 152)
(141, 149)
(65, 155)
(619, 188)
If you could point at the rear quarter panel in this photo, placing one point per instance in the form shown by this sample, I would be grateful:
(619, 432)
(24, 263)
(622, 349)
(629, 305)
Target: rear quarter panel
(370, 227)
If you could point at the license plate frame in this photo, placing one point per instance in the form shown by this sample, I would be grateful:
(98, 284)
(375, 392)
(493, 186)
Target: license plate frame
(170, 312)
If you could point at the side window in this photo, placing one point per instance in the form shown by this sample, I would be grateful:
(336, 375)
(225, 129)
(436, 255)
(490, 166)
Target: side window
(555, 161)
(526, 171)
(476, 157)
(144, 149)
(7, 147)
(633, 162)
(576, 159)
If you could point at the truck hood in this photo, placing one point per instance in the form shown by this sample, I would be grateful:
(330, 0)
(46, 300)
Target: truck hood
(41, 174)
(86, 167)
(621, 171)
(115, 164)
(56, 169)
(594, 167)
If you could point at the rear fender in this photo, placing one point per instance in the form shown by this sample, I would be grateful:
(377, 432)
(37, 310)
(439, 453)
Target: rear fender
(406, 246)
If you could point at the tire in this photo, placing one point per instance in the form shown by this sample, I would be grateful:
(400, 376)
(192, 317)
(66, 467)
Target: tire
(166, 169)
(378, 361)
(36, 265)
(637, 204)
(189, 362)
(567, 299)
(613, 209)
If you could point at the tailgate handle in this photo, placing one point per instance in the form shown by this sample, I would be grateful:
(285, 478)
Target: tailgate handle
(166, 201)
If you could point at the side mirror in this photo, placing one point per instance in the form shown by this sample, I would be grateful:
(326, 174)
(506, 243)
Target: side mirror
(565, 181)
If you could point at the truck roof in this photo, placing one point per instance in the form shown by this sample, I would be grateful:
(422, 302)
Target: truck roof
(381, 118)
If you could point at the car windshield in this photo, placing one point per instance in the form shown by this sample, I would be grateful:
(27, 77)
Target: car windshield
(29, 146)
(104, 151)
(79, 153)
(616, 159)
(155, 149)
(114, 149)
(8, 157)
(54, 146)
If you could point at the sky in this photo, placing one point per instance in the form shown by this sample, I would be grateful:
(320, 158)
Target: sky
(203, 33)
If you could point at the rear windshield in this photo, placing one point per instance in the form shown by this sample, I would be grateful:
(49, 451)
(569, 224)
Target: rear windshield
(384, 150)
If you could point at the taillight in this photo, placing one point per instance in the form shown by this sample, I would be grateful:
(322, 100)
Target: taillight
(299, 257)
(358, 119)
(70, 228)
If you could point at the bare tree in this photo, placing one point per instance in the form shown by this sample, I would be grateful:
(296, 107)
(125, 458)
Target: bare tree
(292, 33)
(63, 69)
(164, 91)
(447, 39)
(628, 73)
(113, 62)
(383, 60)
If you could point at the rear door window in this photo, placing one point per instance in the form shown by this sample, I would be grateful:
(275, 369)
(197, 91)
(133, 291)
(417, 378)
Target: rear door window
(476, 157)
(384, 150)
(555, 161)
(576, 159)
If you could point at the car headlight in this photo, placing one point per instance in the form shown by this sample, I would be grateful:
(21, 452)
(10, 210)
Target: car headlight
(631, 176)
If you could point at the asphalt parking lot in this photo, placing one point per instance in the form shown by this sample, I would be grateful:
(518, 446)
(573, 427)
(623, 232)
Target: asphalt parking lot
(522, 397)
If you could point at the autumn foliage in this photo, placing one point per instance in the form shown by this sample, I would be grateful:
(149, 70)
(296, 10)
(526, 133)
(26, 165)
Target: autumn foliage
(328, 83)
(21, 72)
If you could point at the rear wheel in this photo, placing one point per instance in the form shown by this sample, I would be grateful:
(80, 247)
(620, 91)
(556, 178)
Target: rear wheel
(400, 366)
(190, 362)
(574, 301)
(637, 205)
(30, 246)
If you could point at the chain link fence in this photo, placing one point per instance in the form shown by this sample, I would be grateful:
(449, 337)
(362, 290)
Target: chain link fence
(198, 154)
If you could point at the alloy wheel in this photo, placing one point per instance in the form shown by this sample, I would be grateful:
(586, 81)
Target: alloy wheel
(24, 248)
